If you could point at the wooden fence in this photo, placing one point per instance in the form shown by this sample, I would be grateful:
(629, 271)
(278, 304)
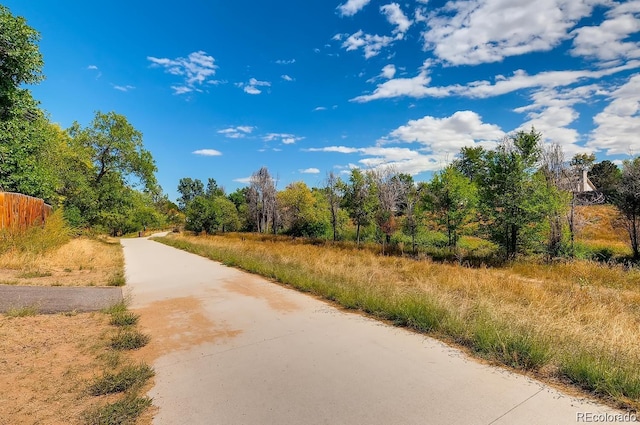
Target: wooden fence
(19, 211)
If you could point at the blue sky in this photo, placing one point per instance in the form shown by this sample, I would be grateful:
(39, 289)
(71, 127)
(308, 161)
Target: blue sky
(222, 88)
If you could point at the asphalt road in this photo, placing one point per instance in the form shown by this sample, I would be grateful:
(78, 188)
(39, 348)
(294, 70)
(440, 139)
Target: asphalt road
(231, 348)
(57, 299)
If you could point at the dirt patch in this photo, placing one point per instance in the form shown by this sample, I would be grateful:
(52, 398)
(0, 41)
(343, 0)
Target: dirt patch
(177, 324)
(252, 288)
(45, 364)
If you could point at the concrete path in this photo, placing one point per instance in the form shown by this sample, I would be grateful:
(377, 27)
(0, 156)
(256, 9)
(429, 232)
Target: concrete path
(231, 348)
(56, 299)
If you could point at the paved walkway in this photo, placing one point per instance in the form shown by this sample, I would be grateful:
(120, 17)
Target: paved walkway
(55, 299)
(231, 348)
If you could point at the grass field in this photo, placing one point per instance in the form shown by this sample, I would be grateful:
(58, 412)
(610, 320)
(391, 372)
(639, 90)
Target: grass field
(574, 322)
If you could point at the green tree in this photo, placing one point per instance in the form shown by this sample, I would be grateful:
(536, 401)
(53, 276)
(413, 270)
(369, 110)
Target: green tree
(298, 211)
(239, 200)
(189, 189)
(211, 215)
(200, 216)
(412, 195)
(582, 161)
(227, 213)
(24, 128)
(627, 201)
(213, 190)
(514, 199)
(452, 200)
(606, 177)
(554, 169)
(471, 161)
(333, 191)
(20, 59)
(112, 153)
(116, 148)
(26, 162)
(360, 199)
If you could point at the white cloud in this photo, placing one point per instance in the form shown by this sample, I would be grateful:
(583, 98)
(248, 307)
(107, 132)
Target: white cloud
(310, 171)
(553, 111)
(254, 82)
(388, 72)
(469, 32)
(123, 88)
(181, 89)
(338, 149)
(252, 86)
(285, 138)
(252, 90)
(195, 69)
(396, 17)
(418, 86)
(243, 180)
(207, 152)
(285, 61)
(286, 77)
(93, 67)
(447, 135)
(440, 139)
(403, 160)
(351, 7)
(238, 132)
(320, 108)
(370, 44)
(618, 125)
(608, 42)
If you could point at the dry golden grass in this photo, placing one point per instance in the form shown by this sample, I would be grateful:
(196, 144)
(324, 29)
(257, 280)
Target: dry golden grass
(597, 223)
(79, 262)
(557, 314)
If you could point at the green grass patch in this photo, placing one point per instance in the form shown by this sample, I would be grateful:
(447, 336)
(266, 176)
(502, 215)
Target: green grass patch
(603, 375)
(116, 308)
(518, 348)
(33, 274)
(122, 412)
(129, 339)
(117, 279)
(129, 377)
(123, 318)
(22, 311)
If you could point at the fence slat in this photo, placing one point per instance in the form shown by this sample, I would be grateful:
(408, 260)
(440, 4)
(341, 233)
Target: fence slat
(22, 211)
(2, 210)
